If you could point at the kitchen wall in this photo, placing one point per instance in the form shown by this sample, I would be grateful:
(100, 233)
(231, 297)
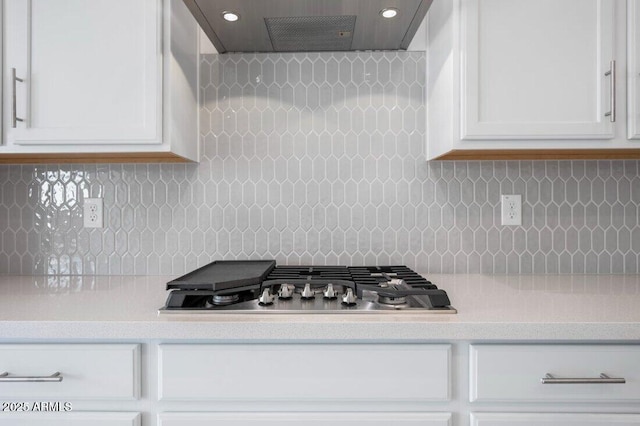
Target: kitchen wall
(319, 158)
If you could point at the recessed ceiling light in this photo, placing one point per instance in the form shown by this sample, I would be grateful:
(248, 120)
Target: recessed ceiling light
(389, 12)
(230, 16)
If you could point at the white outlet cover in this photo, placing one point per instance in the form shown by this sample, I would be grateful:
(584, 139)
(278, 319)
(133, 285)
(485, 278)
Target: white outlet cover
(511, 209)
(93, 213)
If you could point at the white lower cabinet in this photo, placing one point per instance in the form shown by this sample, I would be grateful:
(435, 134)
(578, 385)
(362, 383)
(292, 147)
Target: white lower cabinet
(307, 419)
(321, 384)
(304, 372)
(325, 384)
(559, 379)
(70, 419)
(553, 419)
(515, 373)
(51, 384)
(72, 372)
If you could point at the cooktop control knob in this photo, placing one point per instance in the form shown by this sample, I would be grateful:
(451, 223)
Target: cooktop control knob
(307, 293)
(285, 291)
(329, 292)
(349, 298)
(266, 298)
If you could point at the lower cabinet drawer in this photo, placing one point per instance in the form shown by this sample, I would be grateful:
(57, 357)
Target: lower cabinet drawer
(85, 372)
(301, 372)
(553, 419)
(307, 419)
(70, 419)
(515, 373)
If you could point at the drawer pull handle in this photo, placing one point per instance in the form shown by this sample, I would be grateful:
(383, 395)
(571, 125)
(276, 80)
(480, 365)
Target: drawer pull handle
(603, 379)
(55, 377)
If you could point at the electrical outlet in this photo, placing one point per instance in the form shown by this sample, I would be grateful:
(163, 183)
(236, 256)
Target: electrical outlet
(93, 217)
(511, 209)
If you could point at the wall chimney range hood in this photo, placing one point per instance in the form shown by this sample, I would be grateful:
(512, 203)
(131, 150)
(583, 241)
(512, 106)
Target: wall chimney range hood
(309, 25)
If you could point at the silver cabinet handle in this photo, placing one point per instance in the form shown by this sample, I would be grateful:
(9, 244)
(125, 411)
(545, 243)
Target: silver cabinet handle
(612, 95)
(603, 379)
(14, 117)
(55, 377)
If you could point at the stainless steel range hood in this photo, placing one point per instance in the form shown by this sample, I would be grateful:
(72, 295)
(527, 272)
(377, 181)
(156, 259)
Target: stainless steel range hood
(308, 25)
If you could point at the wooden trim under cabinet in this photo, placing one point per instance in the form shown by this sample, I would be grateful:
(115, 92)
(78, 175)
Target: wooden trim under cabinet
(541, 154)
(66, 158)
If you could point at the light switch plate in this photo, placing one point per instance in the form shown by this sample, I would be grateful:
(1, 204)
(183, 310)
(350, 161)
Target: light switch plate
(511, 209)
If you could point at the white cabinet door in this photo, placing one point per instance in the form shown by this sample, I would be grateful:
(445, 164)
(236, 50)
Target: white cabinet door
(70, 419)
(90, 371)
(515, 372)
(544, 419)
(91, 71)
(633, 69)
(2, 119)
(309, 419)
(304, 372)
(535, 69)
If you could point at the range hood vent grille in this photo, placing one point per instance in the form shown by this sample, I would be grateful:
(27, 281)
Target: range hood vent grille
(308, 25)
(311, 33)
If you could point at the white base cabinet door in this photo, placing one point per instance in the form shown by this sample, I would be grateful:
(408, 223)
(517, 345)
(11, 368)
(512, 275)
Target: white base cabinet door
(69, 371)
(306, 419)
(553, 419)
(515, 373)
(304, 372)
(70, 419)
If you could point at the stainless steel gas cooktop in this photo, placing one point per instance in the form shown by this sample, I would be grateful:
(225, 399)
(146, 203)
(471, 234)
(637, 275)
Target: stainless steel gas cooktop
(262, 287)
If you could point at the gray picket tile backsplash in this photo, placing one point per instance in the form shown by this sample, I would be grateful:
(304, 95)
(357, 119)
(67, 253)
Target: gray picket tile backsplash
(319, 158)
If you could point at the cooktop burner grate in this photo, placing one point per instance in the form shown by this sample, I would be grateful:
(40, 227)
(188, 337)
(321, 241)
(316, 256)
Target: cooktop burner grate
(374, 275)
(309, 273)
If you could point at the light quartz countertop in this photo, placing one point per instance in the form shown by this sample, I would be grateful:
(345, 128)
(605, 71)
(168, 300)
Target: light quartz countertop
(490, 307)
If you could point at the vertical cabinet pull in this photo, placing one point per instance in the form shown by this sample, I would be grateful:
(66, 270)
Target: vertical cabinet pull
(549, 379)
(612, 91)
(14, 116)
(55, 377)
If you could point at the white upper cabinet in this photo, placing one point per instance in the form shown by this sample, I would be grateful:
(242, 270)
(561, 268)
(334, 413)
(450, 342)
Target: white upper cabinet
(536, 69)
(100, 76)
(527, 79)
(91, 74)
(2, 27)
(633, 69)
